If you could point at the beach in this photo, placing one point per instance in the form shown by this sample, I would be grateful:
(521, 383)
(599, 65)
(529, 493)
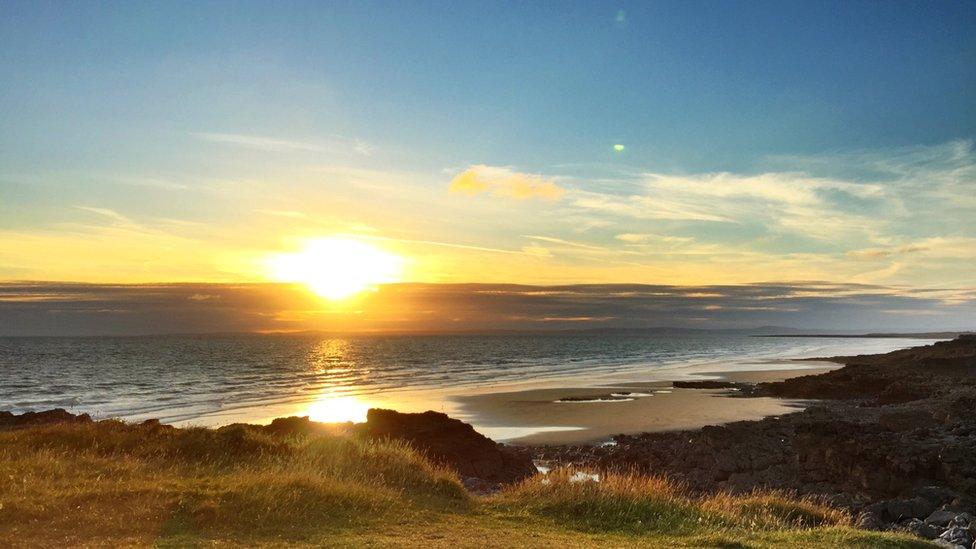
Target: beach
(592, 415)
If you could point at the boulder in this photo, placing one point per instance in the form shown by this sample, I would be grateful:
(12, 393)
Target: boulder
(948, 545)
(937, 495)
(922, 529)
(869, 520)
(958, 535)
(941, 517)
(451, 442)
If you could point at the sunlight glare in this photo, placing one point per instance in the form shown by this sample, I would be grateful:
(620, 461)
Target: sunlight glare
(337, 268)
(337, 409)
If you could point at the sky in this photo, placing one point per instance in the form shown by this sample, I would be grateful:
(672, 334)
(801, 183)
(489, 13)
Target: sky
(679, 144)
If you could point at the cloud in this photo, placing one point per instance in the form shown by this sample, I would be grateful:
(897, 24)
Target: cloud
(258, 142)
(860, 203)
(330, 143)
(782, 202)
(94, 309)
(106, 212)
(641, 238)
(562, 242)
(936, 247)
(505, 182)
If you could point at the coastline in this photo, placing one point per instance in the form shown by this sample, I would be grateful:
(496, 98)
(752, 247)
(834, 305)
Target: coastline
(887, 443)
(578, 415)
(889, 436)
(278, 378)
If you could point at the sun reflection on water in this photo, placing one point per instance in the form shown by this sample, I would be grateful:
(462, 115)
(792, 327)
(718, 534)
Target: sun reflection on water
(337, 375)
(337, 409)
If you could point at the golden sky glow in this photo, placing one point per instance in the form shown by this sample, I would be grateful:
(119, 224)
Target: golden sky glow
(496, 224)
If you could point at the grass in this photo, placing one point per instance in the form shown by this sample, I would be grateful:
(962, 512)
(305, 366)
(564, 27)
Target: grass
(114, 484)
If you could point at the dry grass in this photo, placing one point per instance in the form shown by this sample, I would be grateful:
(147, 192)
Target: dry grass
(641, 504)
(113, 484)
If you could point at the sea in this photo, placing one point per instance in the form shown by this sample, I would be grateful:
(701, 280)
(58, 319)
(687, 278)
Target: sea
(211, 380)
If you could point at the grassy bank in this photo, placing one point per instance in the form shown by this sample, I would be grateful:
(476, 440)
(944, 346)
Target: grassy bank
(114, 484)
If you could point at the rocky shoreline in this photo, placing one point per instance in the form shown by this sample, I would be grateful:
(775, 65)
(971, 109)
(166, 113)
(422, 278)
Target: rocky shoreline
(891, 437)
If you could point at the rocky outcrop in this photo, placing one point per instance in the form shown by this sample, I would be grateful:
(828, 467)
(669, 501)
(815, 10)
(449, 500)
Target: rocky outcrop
(10, 420)
(453, 443)
(894, 441)
(903, 376)
(732, 388)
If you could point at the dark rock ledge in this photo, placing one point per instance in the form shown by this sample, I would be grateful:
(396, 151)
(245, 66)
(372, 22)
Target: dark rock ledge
(891, 437)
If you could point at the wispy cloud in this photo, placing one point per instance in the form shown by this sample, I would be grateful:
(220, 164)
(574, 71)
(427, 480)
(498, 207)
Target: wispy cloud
(275, 144)
(258, 142)
(502, 181)
(106, 212)
(562, 242)
(782, 202)
(936, 247)
(642, 238)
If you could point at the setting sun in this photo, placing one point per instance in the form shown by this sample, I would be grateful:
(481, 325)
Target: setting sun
(337, 268)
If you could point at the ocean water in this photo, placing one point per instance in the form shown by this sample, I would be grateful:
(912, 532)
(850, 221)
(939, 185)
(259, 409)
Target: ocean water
(213, 380)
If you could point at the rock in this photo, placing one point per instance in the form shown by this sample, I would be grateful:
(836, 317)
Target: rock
(478, 486)
(922, 507)
(905, 420)
(705, 384)
(452, 443)
(964, 520)
(941, 517)
(900, 509)
(959, 535)
(937, 495)
(948, 545)
(869, 520)
(292, 425)
(900, 392)
(959, 409)
(47, 417)
(922, 529)
(155, 425)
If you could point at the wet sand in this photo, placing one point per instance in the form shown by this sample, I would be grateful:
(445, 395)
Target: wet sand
(537, 417)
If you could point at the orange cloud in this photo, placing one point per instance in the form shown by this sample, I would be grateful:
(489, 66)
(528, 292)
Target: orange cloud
(505, 182)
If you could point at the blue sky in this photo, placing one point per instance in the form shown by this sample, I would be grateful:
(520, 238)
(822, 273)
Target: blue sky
(693, 86)
(797, 141)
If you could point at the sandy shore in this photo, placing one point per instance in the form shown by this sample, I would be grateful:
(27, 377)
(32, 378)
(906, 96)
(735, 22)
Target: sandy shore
(538, 417)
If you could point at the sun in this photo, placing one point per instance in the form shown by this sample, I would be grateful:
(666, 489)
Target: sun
(337, 268)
